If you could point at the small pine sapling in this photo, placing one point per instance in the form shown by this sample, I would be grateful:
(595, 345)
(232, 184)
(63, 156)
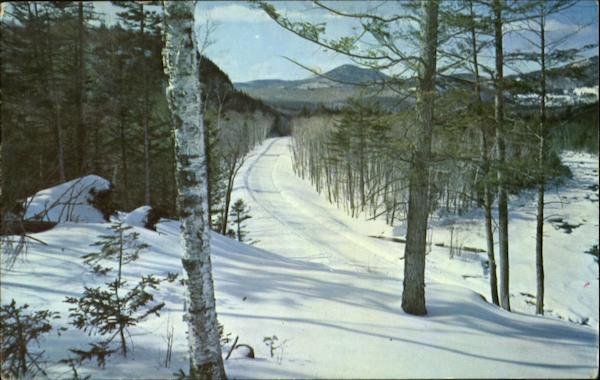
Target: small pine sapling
(20, 328)
(121, 245)
(112, 310)
(240, 213)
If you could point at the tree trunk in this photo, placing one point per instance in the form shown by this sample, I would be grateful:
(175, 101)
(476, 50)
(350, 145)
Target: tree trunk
(145, 109)
(60, 142)
(183, 95)
(118, 299)
(539, 236)
(123, 143)
(81, 130)
(413, 296)
(500, 140)
(488, 199)
(228, 191)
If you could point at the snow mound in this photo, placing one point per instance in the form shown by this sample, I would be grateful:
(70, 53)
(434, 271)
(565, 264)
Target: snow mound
(138, 217)
(72, 201)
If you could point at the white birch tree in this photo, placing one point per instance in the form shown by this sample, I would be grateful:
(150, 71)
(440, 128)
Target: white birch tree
(183, 95)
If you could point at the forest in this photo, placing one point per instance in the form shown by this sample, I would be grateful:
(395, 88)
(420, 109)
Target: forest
(80, 96)
(436, 191)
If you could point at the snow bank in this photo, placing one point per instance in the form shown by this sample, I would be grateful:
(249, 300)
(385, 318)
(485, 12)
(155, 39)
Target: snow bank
(72, 201)
(138, 217)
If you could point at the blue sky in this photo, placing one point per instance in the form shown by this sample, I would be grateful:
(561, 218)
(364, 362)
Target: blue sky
(248, 45)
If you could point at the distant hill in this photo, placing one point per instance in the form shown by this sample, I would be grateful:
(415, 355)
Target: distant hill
(584, 73)
(341, 76)
(214, 80)
(333, 88)
(330, 89)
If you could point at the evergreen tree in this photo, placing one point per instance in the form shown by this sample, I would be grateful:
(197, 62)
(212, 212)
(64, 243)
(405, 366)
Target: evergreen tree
(19, 329)
(549, 57)
(112, 310)
(239, 214)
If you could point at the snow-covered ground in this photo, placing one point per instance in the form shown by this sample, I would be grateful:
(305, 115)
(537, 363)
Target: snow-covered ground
(290, 218)
(331, 294)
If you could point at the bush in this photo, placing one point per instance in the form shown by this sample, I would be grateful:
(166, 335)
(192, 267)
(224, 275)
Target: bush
(20, 328)
(112, 310)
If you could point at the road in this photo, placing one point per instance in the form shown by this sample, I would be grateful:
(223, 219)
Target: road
(289, 217)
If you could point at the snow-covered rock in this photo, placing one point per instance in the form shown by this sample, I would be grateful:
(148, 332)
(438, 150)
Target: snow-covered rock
(72, 201)
(138, 217)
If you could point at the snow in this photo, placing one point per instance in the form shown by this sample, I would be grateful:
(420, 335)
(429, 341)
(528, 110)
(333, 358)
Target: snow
(331, 294)
(138, 217)
(69, 201)
(575, 96)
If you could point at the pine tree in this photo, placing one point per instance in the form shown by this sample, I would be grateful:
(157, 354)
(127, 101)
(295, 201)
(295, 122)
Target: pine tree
(145, 22)
(239, 214)
(550, 55)
(19, 329)
(112, 310)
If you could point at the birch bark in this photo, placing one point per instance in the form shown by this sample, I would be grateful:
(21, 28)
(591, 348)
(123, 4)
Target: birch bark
(183, 96)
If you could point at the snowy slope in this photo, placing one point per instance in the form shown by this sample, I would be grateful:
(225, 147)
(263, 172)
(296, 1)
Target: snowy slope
(332, 323)
(331, 294)
(292, 219)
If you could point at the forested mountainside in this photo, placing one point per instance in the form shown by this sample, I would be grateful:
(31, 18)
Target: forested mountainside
(571, 84)
(79, 97)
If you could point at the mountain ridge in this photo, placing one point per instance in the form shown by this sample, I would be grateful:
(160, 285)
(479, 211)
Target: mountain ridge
(334, 87)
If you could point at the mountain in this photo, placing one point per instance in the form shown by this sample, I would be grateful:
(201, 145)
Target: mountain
(341, 76)
(572, 84)
(351, 74)
(214, 81)
(582, 73)
(333, 88)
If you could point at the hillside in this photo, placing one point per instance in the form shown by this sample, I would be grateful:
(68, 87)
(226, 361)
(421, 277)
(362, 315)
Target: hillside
(330, 89)
(334, 87)
(323, 300)
(216, 81)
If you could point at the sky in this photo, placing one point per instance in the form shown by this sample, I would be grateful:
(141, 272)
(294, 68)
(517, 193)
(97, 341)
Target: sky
(246, 44)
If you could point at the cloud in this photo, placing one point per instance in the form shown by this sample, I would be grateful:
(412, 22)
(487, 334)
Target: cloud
(240, 12)
(553, 26)
(233, 13)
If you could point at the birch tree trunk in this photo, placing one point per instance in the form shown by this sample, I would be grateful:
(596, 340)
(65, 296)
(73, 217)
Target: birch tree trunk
(413, 296)
(500, 140)
(183, 96)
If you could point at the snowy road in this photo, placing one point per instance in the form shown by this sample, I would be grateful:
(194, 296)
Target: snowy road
(291, 218)
(472, 338)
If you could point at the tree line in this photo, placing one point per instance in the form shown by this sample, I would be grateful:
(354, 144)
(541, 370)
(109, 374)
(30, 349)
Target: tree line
(82, 96)
(462, 145)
